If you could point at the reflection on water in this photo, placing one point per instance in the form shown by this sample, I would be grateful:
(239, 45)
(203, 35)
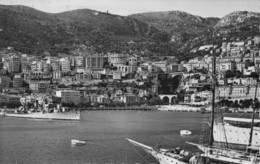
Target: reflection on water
(45, 141)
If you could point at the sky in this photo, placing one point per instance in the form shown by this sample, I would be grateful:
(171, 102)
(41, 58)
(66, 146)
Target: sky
(204, 8)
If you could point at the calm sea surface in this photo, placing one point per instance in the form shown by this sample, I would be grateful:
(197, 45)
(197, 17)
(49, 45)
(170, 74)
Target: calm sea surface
(37, 141)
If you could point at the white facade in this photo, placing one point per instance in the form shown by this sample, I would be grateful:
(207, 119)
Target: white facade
(160, 64)
(65, 64)
(132, 61)
(56, 75)
(79, 61)
(227, 65)
(117, 75)
(125, 69)
(117, 59)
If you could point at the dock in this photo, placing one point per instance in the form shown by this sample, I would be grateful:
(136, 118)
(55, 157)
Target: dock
(134, 108)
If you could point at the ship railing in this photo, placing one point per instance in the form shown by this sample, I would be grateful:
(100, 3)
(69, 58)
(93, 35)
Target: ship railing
(220, 151)
(228, 153)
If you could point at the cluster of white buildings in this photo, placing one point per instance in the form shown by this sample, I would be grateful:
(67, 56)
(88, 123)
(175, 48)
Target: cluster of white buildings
(43, 75)
(240, 58)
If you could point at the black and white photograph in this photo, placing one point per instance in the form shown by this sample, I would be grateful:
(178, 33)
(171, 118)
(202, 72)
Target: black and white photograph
(129, 82)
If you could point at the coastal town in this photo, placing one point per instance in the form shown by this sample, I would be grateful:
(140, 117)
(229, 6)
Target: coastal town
(130, 82)
(85, 78)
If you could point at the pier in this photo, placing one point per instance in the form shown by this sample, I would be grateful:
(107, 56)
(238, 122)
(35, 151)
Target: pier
(140, 108)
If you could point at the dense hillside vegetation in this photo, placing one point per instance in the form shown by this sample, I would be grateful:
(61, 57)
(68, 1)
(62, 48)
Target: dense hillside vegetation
(155, 34)
(180, 25)
(33, 31)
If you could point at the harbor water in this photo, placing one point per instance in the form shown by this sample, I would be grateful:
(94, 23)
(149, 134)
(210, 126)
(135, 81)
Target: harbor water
(28, 141)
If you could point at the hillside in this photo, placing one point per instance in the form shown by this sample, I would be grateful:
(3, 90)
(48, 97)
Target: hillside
(189, 31)
(238, 17)
(180, 25)
(33, 31)
(239, 24)
(152, 34)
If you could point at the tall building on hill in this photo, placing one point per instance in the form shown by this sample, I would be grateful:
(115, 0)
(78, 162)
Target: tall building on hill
(132, 61)
(55, 65)
(24, 62)
(14, 64)
(4, 82)
(46, 67)
(65, 64)
(17, 81)
(117, 59)
(257, 39)
(96, 62)
(79, 61)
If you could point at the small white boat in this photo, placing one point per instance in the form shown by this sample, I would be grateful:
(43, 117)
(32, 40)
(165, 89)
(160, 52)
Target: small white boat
(185, 132)
(2, 114)
(77, 142)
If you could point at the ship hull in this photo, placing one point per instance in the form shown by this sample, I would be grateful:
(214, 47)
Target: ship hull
(237, 137)
(73, 116)
(161, 157)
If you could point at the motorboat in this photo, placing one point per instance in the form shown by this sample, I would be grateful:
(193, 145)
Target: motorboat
(185, 132)
(75, 142)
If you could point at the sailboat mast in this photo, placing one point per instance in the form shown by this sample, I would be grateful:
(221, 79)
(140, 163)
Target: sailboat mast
(253, 114)
(253, 117)
(213, 98)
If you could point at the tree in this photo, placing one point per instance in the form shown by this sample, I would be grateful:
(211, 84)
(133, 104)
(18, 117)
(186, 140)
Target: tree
(181, 95)
(96, 104)
(196, 76)
(254, 75)
(230, 74)
(235, 105)
(206, 87)
(246, 103)
(155, 101)
(238, 74)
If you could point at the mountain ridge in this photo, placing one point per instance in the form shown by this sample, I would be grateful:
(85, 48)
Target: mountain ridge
(178, 23)
(237, 17)
(24, 27)
(32, 31)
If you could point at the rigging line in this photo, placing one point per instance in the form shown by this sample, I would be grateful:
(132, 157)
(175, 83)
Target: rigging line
(225, 134)
(126, 152)
(102, 145)
(140, 154)
(159, 143)
(147, 154)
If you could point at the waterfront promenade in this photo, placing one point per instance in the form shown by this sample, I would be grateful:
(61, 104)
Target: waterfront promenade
(141, 108)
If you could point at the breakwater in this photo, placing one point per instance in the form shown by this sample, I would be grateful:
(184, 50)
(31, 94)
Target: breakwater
(141, 108)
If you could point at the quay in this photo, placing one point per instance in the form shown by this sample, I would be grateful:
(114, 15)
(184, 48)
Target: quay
(140, 108)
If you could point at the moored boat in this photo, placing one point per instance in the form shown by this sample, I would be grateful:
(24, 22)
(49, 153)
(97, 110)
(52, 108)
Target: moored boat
(44, 111)
(185, 132)
(236, 131)
(75, 142)
(73, 116)
(179, 108)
